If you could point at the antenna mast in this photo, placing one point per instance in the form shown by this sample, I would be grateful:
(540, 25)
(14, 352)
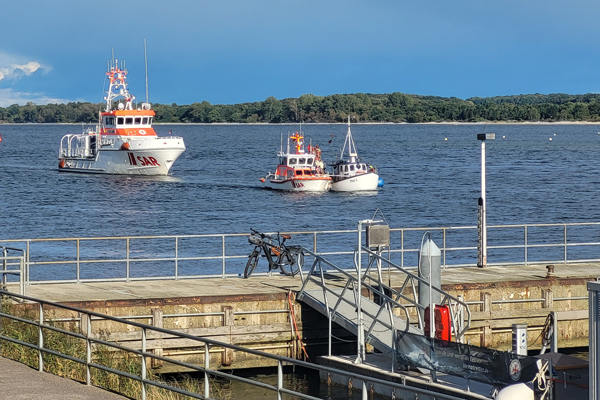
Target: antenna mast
(146, 60)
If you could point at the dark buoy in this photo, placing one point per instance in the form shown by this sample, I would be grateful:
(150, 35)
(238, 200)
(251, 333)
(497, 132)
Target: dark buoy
(380, 182)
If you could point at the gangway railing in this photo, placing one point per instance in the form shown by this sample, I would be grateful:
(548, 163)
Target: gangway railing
(37, 315)
(335, 282)
(459, 309)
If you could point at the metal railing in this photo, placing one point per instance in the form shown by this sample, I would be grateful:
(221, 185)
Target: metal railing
(389, 299)
(147, 335)
(8, 262)
(88, 259)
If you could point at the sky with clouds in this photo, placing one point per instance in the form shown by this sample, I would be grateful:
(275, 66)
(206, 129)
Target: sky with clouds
(234, 51)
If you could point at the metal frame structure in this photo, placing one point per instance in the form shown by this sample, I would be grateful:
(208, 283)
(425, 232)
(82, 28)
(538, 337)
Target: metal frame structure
(228, 249)
(149, 333)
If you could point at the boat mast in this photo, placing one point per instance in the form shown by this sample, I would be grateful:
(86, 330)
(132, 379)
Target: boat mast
(352, 154)
(146, 60)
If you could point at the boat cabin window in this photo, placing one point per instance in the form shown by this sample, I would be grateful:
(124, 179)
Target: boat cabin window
(128, 121)
(299, 172)
(109, 121)
(345, 168)
(302, 161)
(145, 121)
(293, 161)
(309, 160)
(352, 168)
(138, 120)
(120, 121)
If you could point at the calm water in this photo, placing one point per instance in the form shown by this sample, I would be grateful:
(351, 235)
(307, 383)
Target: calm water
(431, 173)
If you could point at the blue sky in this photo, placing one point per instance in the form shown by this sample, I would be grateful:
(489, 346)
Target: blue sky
(234, 51)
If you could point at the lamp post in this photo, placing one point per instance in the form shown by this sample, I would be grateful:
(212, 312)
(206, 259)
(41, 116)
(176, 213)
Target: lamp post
(482, 225)
(360, 335)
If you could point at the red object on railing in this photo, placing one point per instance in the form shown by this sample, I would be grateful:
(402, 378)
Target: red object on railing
(443, 322)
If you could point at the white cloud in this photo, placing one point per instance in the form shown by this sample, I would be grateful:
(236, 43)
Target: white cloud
(9, 97)
(15, 71)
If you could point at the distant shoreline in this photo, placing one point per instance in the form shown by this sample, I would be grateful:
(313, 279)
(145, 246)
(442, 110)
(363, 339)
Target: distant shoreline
(326, 123)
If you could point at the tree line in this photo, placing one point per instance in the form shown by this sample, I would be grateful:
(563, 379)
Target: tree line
(394, 107)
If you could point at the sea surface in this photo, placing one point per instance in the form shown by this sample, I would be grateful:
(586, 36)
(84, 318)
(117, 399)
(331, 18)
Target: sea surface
(535, 174)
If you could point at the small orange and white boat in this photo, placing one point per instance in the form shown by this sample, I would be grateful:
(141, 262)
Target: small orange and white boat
(124, 141)
(298, 171)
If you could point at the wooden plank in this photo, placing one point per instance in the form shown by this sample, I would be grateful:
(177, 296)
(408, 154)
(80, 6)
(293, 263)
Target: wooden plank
(203, 332)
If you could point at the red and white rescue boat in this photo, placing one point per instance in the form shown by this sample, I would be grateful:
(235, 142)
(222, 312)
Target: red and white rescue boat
(123, 142)
(298, 171)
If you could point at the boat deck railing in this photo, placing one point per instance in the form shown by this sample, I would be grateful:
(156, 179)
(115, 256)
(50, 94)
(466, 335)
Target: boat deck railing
(128, 258)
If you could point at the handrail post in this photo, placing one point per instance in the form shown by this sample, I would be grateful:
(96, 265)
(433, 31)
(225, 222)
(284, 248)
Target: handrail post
(127, 257)
(22, 275)
(27, 265)
(4, 268)
(525, 230)
(176, 257)
(444, 246)
(88, 345)
(78, 259)
(40, 338)
(402, 248)
(223, 253)
(144, 363)
(315, 242)
(206, 367)
(565, 237)
(279, 379)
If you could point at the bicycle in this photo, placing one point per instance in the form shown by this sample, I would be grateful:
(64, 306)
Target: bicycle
(289, 259)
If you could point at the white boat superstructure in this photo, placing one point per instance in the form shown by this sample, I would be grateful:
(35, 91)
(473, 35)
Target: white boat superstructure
(350, 173)
(298, 171)
(123, 142)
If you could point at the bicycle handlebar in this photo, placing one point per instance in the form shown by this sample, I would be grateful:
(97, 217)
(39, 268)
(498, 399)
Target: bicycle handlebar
(262, 235)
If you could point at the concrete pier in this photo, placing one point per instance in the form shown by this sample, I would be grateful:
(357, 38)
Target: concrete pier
(256, 312)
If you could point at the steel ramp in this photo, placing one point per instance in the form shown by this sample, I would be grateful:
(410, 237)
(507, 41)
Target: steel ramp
(375, 317)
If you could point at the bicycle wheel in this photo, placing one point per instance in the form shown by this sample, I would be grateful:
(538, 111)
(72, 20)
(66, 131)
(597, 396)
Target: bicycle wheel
(251, 264)
(290, 261)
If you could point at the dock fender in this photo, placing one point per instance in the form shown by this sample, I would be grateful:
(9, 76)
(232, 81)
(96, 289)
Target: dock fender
(520, 391)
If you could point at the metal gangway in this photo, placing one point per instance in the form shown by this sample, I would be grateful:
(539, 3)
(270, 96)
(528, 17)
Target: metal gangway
(352, 300)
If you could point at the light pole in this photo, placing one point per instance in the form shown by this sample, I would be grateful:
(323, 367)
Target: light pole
(360, 336)
(482, 226)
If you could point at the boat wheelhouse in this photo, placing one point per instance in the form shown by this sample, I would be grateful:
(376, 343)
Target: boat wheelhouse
(298, 171)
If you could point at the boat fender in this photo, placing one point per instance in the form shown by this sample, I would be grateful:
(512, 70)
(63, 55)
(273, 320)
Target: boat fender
(125, 146)
(262, 179)
(61, 163)
(380, 182)
(520, 391)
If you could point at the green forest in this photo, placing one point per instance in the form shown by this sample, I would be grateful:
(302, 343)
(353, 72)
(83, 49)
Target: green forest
(394, 107)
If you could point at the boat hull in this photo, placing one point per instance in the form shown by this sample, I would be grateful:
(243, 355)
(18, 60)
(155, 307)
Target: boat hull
(367, 181)
(299, 185)
(124, 162)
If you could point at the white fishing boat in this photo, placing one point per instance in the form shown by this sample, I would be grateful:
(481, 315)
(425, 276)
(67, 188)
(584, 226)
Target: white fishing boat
(350, 174)
(123, 141)
(298, 171)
